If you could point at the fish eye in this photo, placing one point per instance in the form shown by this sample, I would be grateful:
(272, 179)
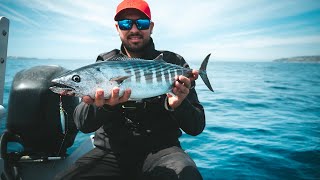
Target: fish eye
(76, 78)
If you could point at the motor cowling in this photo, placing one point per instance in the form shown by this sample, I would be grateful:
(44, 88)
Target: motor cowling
(34, 111)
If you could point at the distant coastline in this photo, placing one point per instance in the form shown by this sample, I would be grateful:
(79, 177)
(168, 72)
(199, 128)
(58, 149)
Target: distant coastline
(313, 59)
(25, 58)
(34, 58)
(307, 59)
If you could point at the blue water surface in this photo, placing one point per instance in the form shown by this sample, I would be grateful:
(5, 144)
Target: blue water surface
(262, 121)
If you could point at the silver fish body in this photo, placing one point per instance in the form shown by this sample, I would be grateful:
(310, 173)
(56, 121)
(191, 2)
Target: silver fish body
(145, 78)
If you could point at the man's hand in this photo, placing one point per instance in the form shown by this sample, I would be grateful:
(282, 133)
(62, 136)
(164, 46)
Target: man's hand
(181, 89)
(115, 99)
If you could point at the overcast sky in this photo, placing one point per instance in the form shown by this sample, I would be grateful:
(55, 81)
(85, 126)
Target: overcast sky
(230, 30)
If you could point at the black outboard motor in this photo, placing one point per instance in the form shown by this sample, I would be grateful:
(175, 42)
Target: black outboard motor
(33, 117)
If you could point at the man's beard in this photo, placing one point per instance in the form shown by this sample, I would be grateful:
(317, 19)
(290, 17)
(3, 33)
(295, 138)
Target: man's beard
(133, 48)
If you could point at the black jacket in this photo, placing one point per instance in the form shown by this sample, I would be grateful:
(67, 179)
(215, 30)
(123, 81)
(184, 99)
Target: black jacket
(146, 128)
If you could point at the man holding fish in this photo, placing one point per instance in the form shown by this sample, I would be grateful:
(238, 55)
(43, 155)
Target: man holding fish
(137, 138)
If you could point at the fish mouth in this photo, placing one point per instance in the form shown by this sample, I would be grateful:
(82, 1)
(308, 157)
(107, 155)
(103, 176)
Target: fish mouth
(63, 89)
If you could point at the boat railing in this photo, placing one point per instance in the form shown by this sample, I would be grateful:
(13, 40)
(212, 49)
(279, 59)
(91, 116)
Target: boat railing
(4, 33)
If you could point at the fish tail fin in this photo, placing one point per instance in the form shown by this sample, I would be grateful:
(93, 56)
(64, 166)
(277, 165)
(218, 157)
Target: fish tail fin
(203, 72)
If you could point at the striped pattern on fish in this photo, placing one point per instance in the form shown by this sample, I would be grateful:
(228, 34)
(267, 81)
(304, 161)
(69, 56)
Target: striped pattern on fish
(145, 78)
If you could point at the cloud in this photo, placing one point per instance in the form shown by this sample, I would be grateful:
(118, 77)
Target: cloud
(16, 16)
(258, 48)
(228, 28)
(263, 41)
(203, 16)
(88, 12)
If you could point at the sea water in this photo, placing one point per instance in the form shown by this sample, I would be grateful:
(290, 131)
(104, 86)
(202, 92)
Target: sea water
(262, 121)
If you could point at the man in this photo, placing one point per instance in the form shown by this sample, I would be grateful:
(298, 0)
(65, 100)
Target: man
(138, 140)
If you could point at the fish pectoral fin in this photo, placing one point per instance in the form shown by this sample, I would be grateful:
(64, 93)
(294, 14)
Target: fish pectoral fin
(120, 79)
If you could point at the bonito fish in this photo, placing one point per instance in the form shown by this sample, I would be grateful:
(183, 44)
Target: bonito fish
(145, 78)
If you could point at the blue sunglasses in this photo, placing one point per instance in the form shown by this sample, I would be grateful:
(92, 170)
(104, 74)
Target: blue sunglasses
(126, 24)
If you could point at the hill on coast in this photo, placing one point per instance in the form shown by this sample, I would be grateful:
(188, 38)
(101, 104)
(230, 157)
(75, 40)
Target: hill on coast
(300, 59)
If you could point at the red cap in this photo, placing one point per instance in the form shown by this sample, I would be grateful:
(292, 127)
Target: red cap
(140, 5)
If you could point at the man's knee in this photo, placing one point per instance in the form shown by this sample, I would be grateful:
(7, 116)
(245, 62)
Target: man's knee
(165, 173)
(190, 173)
(171, 163)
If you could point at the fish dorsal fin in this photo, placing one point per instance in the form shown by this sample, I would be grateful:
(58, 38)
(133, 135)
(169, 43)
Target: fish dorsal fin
(159, 58)
(124, 59)
(119, 79)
